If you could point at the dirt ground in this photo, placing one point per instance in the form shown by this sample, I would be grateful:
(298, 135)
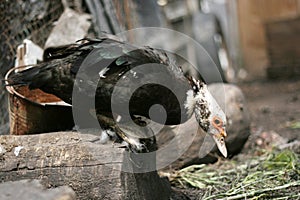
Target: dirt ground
(274, 107)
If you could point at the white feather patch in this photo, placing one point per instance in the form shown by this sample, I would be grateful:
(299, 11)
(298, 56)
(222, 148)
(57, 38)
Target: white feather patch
(190, 102)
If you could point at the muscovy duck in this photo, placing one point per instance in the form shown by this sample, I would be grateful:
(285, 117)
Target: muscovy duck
(93, 68)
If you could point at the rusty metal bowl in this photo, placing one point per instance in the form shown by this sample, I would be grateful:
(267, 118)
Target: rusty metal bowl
(41, 114)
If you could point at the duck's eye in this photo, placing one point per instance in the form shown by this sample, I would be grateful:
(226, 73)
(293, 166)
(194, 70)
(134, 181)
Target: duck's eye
(217, 121)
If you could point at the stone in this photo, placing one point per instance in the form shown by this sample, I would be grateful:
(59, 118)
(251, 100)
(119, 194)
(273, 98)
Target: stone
(70, 27)
(192, 146)
(34, 190)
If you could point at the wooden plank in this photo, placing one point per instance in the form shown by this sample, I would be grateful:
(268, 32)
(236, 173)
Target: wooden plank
(252, 15)
(283, 42)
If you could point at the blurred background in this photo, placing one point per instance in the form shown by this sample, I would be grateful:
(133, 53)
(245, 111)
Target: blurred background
(254, 46)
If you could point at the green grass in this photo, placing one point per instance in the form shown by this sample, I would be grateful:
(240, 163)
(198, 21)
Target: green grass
(273, 175)
(294, 125)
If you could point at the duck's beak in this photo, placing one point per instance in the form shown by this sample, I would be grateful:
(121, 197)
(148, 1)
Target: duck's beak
(220, 141)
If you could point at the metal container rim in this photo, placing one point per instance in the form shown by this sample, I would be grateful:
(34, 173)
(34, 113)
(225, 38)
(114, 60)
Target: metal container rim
(12, 91)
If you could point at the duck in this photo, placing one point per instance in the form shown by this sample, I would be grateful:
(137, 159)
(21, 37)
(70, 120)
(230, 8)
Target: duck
(127, 83)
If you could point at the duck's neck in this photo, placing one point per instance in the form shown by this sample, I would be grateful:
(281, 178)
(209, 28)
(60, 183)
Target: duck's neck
(197, 102)
(196, 97)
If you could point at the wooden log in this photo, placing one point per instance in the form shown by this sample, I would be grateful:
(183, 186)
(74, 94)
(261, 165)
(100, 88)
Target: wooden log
(92, 170)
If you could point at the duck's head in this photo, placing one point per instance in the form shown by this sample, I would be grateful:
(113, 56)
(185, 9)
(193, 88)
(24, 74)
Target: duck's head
(208, 113)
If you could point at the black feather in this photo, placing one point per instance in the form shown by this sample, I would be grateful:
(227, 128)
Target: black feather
(62, 66)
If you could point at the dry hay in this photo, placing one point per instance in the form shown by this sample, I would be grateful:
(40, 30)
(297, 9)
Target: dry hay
(272, 175)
